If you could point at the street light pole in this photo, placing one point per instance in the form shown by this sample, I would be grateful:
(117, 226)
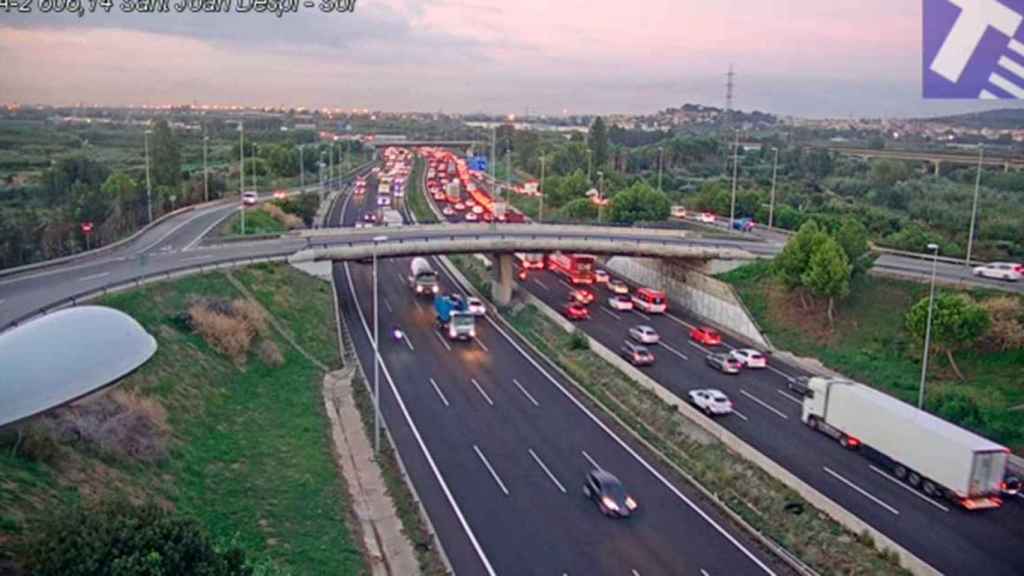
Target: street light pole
(600, 196)
(149, 183)
(661, 161)
(771, 205)
(540, 214)
(590, 166)
(302, 169)
(206, 170)
(735, 170)
(376, 352)
(928, 327)
(330, 180)
(974, 208)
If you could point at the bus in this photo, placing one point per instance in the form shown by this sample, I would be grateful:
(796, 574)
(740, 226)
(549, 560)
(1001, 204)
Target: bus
(650, 301)
(578, 268)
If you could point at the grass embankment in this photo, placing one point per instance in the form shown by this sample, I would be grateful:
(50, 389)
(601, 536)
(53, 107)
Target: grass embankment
(417, 196)
(257, 221)
(247, 449)
(871, 344)
(758, 498)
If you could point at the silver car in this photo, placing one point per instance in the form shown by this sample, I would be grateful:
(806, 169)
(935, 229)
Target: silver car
(644, 334)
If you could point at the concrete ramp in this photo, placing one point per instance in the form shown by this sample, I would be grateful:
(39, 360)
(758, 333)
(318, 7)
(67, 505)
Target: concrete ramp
(66, 355)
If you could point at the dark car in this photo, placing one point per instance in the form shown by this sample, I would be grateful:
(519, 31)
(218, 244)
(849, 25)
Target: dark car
(576, 311)
(608, 493)
(724, 363)
(798, 385)
(637, 354)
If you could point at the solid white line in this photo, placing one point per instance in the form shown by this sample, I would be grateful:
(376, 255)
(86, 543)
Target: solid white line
(93, 276)
(481, 391)
(591, 460)
(704, 572)
(539, 283)
(206, 231)
(19, 278)
(740, 414)
(193, 258)
(635, 573)
(642, 315)
(1012, 66)
(525, 393)
(909, 489)
(443, 341)
(861, 490)
(1005, 84)
(674, 351)
(547, 471)
(698, 346)
(480, 343)
(762, 403)
(439, 393)
(789, 397)
(419, 440)
(405, 338)
(493, 473)
(610, 313)
(626, 447)
(780, 373)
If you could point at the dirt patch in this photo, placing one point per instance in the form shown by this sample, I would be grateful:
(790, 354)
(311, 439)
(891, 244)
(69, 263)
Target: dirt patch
(785, 309)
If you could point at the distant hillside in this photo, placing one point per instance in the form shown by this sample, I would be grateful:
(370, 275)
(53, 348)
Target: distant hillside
(1002, 118)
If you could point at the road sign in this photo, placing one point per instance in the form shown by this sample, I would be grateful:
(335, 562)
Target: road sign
(478, 163)
(86, 227)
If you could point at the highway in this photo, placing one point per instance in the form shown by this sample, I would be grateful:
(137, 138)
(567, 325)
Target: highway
(498, 448)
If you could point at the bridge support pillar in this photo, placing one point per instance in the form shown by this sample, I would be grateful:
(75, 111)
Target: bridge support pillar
(937, 165)
(504, 276)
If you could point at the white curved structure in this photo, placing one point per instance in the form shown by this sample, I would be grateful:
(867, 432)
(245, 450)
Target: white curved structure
(67, 355)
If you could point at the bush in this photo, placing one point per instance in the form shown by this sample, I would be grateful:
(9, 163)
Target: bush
(251, 313)
(270, 354)
(228, 334)
(289, 221)
(1007, 329)
(578, 340)
(123, 539)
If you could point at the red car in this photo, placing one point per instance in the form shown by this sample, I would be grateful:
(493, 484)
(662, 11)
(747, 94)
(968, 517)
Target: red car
(706, 336)
(576, 311)
(581, 295)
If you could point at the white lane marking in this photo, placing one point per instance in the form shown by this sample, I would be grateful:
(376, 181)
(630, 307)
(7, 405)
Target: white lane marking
(547, 471)
(1017, 46)
(780, 373)
(674, 351)
(401, 280)
(93, 276)
(195, 258)
(698, 346)
(566, 284)
(635, 573)
(704, 572)
(681, 321)
(176, 228)
(206, 231)
(762, 403)
(908, 488)
(625, 447)
(443, 341)
(408, 342)
(859, 489)
(740, 414)
(591, 460)
(790, 397)
(439, 393)
(481, 391)
(491, 469)
(539, 283)
(480, 343)
(419, 440)
(387, 304)
(525, 393)
(642, 315)
(610, 313)
(19, 278)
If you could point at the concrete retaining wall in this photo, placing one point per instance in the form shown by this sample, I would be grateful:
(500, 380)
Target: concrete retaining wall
(702, 295)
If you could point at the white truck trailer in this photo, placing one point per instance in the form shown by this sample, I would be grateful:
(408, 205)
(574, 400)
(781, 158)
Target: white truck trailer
(926, 452)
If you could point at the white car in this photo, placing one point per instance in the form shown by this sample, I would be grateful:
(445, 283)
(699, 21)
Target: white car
(711, 401)
(475, 306)
(1000, 271)
(749, 358)
(620, 303)
(618, 287)
(471, 217)
(644, 334)
(478, 210)
(448, 211)
(601, 276)
(249, 198)
(706, 217)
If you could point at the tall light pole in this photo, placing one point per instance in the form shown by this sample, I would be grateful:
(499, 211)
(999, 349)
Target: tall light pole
(241, 171)
(149, 183)
(255, 172)
(735, 171)
(302, 169)
(928, 327)
(376, 352)
(330, 178)
(206, 169)
(494, 153)
(540, 214)
(974, 208)
(661, 162)
(600, 196)
(771, 205)
(590, 166)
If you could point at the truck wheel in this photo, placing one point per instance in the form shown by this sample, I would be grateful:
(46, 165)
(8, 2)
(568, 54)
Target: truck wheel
(914, 479)
(930, 489)
(900, 472)
(844, 441)
(812, 422)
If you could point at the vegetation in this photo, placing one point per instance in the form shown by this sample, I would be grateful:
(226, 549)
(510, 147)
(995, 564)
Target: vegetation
(957, 323)
(872, 342)
(416, 194)
(233, 439)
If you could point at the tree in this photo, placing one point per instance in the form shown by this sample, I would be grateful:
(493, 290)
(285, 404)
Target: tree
(793, 261)
(639, 203)
(579, 209)
(957, 322)
(165, 158)
(852, 237)
(828, 273)
(888, 172)
(598, 141)
(124, 539)
(1007, 329)
(122, 192)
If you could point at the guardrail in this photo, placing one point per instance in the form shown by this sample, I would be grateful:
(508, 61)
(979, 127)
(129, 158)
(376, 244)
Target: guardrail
(137, 282)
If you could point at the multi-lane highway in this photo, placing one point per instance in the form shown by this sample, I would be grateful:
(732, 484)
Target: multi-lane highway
(497, 448)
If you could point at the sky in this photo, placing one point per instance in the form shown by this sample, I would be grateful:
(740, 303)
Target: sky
(809, 58)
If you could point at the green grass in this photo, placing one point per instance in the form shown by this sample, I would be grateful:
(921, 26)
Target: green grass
(250, 455)
(256, 222)
(417, 195)
(871, 344)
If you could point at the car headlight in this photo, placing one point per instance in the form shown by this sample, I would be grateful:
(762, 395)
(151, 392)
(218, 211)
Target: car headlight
(609, 503)
(630, 503)
(435, 289)
(472, 332)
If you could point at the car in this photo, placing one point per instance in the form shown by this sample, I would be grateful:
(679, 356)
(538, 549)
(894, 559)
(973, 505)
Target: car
(576, 311)
(488, 217)
(581, 295)
(711, 401)
(605, 490)
(1011, 485)
(679, 212)
(644, 334)
(460, 207)
(706, 336)
(707, 217)
(478, 210)
(470, 202)
(1000, 271)
(249, 198)
(475, 306)
(743, 224)
(369, 217)
(280, 195)
(637, 354)
(618, 286)
(620, 303)
(724, 363)
(601, 276)
(798, 385)
(448, 211)
(383, 201)
(439, 196)
(471, 217)
(749, 358)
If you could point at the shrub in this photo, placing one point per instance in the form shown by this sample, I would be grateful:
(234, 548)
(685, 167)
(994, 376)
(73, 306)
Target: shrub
(229, 335)
(270, 354)
(1007, 329)
(578, 340)
(251, 313)
(289, 221)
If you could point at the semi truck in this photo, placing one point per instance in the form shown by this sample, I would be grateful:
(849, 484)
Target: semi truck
(422, 277)
(578, 268)
(927, 452)
(455, 321)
